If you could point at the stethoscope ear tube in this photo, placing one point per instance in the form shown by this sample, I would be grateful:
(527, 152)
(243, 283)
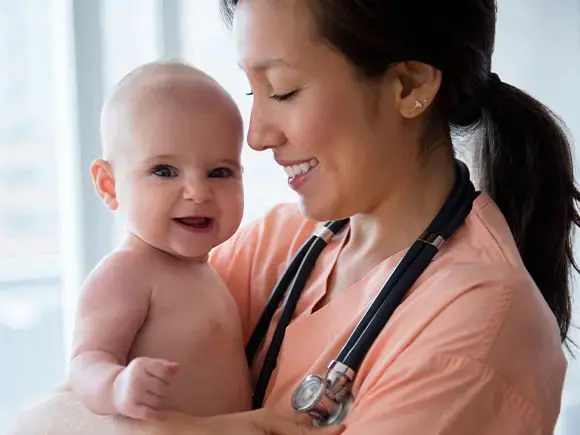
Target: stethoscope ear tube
(384, 292)
(357, 352)
(274, 302)
(461, 197)
(301, 276)
(277, 295)
(415, 261)
(285, 317)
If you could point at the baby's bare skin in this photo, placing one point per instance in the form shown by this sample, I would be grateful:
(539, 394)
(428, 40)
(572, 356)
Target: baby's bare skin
(213, 379)
(163, 308)
(156, 328)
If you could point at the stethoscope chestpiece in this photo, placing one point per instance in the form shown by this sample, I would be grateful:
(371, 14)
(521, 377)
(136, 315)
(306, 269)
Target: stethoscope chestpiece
(326, 400)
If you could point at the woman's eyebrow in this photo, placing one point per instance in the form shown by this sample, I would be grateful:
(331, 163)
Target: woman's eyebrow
(267, 64)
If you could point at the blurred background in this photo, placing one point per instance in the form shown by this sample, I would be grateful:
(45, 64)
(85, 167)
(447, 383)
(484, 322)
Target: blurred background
(60, 59)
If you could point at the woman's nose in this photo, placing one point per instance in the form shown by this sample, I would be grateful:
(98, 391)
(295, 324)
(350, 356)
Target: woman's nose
(263, 132)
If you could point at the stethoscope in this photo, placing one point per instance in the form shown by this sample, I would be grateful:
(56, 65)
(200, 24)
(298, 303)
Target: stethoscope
(327, 399)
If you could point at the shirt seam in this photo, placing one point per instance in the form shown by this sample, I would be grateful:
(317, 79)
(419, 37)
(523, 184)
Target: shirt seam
(501, 317)
(510, 391)
(491, 235)
(492, 342)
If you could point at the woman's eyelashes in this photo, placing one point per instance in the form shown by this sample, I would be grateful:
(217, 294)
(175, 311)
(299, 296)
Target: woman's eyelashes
(284, 97)
(278, 97)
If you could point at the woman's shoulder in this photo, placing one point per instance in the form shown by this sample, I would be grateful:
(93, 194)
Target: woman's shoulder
(284, 220)
(474, 328)
(282, 228)
(251, 262)
(477, 303)
(491, 317)
(480, 287)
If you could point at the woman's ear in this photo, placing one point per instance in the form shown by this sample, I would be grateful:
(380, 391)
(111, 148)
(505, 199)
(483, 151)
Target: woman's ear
(417, 87)
(104, 183)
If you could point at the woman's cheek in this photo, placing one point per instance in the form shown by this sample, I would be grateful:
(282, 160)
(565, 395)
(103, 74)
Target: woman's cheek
(313, 127)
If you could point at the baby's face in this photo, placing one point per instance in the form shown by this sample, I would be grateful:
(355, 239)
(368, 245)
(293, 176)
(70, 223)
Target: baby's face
(178, 177)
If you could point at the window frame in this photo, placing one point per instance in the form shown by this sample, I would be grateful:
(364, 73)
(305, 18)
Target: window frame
(87, 230)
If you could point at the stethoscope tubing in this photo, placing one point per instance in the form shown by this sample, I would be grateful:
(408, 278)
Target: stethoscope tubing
(355, 354)
(275, 300)
(385, 294)
(414, 262)
(303, 272)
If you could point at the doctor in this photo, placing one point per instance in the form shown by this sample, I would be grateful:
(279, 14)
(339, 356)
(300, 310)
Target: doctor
(358, 101)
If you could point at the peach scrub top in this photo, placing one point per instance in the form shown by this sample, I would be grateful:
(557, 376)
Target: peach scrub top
(472, 350)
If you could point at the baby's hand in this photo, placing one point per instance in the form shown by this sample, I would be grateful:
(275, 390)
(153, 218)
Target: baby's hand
(139, 389)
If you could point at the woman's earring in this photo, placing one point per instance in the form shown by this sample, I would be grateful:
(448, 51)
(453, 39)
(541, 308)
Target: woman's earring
(418, 105)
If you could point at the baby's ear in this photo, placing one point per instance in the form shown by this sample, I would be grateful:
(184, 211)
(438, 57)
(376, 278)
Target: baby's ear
(104, 183)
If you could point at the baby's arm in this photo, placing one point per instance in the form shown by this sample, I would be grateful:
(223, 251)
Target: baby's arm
(112, 308)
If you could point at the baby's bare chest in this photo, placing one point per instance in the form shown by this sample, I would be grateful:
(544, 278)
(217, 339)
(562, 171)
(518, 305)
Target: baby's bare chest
(194, 321)
(189, 312)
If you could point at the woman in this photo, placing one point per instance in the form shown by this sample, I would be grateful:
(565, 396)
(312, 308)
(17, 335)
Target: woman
(359, 100)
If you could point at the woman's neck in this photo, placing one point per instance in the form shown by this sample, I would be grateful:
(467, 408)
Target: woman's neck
(396, 221)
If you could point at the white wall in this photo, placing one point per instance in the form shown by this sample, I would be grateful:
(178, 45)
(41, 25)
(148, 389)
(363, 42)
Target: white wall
(538, 50)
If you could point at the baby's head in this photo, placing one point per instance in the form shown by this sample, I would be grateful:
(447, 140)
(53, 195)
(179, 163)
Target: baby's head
(172, 141)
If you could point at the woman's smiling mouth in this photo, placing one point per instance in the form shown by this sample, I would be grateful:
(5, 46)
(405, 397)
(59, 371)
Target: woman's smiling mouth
(298, 172)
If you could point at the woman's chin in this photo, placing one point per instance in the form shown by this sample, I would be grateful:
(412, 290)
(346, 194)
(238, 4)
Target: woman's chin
(320, 209)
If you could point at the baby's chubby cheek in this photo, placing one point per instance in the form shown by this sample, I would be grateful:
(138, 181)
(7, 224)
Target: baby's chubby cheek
(231, 215)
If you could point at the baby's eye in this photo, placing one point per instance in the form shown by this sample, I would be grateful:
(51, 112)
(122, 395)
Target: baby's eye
(220, 173)
(164, 171)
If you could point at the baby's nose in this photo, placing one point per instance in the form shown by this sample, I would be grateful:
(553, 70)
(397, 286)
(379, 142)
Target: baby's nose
(198, 192)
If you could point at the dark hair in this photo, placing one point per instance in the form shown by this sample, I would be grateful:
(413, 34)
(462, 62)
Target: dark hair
(524, 155)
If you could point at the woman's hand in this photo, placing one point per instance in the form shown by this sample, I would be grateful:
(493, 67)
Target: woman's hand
(63, 414)
(261, 422)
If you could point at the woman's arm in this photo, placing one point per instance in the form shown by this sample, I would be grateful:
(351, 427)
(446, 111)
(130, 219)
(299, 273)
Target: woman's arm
(488, 363)
(63, 414)
(444, 394)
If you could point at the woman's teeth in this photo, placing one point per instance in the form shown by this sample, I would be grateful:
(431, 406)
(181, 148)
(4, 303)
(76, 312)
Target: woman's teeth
(301, 169)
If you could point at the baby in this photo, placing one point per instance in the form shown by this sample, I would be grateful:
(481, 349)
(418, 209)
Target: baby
(156, 328)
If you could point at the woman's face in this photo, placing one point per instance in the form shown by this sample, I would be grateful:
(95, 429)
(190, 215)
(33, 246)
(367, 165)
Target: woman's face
(338, 136)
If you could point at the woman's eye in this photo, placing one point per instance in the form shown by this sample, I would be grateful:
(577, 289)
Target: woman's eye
(221, 173)
(164, 171)
(284, 97)
(250, 93)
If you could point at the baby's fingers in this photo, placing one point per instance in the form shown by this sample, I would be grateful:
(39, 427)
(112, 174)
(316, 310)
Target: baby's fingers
(161, 369)
(149, 400)
(155, 386)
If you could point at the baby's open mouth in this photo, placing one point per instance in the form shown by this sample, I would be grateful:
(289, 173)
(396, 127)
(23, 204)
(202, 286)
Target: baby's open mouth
(198, 223)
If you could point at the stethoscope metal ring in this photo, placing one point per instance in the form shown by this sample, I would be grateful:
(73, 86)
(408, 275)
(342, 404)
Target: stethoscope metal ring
(312, 396)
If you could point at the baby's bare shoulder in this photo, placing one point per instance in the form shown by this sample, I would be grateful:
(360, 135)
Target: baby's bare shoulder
(126, 262)
(123, 273)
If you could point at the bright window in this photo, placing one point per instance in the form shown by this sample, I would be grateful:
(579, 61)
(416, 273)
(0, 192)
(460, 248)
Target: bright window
(31, 342)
